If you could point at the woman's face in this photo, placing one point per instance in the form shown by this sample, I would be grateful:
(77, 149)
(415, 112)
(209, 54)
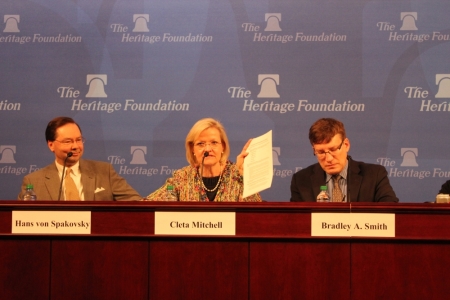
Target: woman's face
(209, 141)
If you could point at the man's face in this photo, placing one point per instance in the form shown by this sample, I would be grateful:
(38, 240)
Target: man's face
(332, 156)
(68, 139)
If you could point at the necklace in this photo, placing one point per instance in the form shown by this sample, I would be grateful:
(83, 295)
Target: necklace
(218, 182)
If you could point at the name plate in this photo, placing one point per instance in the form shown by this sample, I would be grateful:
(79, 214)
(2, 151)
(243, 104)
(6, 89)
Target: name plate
(353, 224)
(195, 223)
(51, 222)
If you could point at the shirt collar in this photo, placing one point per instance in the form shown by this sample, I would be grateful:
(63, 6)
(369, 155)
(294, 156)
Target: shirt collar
(75, 168)
(343, 173)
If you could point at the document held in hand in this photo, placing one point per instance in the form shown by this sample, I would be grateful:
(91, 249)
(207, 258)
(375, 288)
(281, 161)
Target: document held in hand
(258, 165)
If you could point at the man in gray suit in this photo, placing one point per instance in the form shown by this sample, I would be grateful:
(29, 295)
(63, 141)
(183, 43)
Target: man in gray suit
(347, 180)
(89, 180)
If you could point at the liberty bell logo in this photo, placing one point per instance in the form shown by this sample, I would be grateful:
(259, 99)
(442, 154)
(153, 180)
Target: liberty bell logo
(140, 22)
(138, 155)
(268, 83)
(409, 157)
(96, 83)
(12, 23)
(7, 154)
(272, 22)
(409, 20)
(443, 83)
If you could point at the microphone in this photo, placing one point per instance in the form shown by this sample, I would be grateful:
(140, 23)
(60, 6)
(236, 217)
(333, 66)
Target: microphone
(205, 154)
(62, 176)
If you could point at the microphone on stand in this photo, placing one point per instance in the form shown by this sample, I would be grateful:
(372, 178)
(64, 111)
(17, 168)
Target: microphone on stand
(62, 176)
(205, 154)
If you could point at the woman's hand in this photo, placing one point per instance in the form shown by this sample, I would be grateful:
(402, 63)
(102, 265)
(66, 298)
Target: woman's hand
(241, 156)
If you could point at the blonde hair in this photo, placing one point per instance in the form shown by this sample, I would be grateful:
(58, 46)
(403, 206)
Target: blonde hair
(194, 133)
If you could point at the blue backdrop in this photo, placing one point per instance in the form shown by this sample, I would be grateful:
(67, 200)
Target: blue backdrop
(137, 74)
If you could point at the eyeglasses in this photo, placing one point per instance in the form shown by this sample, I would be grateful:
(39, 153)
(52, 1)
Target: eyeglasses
(69, 142)
(213, 144)
(332, 151)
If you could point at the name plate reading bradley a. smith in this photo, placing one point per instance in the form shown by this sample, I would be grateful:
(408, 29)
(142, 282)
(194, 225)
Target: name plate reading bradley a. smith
(353, 224)
(51, 222)
(195, 223)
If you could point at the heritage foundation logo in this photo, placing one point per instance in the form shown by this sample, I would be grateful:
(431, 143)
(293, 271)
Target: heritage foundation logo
(96, 83)
(12, 27)
(96, 89)
(138, 33)
(5, 105)
(409, 166)
(408, 29)
(138, 155)
(409, 157)
(273, 22)
(141, 22)
(277, 170)
(12, 23)
(409, 20)
(7, 157)
(431, 105)
(7, 154)
(275, 154)
(268, 83)
(443, 83)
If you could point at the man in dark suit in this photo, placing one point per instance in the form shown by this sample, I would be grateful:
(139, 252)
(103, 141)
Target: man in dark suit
(89, 180)
(347, 180)
(445, 188)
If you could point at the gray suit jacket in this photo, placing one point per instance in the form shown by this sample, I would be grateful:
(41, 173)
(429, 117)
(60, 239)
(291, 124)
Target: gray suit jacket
(100, 183)
(366, 183)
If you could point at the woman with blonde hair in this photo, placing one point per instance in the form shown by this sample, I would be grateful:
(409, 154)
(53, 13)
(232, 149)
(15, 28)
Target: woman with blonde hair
(210, 176)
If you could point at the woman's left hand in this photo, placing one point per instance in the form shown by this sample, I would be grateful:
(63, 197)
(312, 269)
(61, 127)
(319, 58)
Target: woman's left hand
(241, 156)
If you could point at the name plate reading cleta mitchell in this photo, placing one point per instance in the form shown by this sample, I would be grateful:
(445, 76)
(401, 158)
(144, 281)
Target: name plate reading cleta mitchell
(195, 223)
(51, 222)
(353, 224)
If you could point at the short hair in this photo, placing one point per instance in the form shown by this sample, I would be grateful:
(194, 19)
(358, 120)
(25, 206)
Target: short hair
(323, 130)
(53, 125)
(194, 133)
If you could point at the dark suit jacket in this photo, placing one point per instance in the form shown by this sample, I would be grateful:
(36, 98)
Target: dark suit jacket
(366, 183)
(445, 188)
(99, 180)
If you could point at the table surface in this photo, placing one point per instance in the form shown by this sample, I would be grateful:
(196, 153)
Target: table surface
(272, 256)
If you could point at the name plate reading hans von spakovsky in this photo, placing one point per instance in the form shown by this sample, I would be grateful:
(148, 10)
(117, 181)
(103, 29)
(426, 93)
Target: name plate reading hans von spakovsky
(353, 224)
(51, 222)
(195, 223)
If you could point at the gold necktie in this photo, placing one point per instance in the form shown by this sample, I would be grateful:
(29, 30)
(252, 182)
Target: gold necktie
(337, 193)
(70, 187)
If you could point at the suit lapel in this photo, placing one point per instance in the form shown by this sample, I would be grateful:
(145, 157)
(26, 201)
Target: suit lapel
(317, 179)
(52, 182)
(354, 181)
(87, 180)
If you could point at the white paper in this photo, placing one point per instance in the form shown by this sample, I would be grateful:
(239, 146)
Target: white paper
(258, 165)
